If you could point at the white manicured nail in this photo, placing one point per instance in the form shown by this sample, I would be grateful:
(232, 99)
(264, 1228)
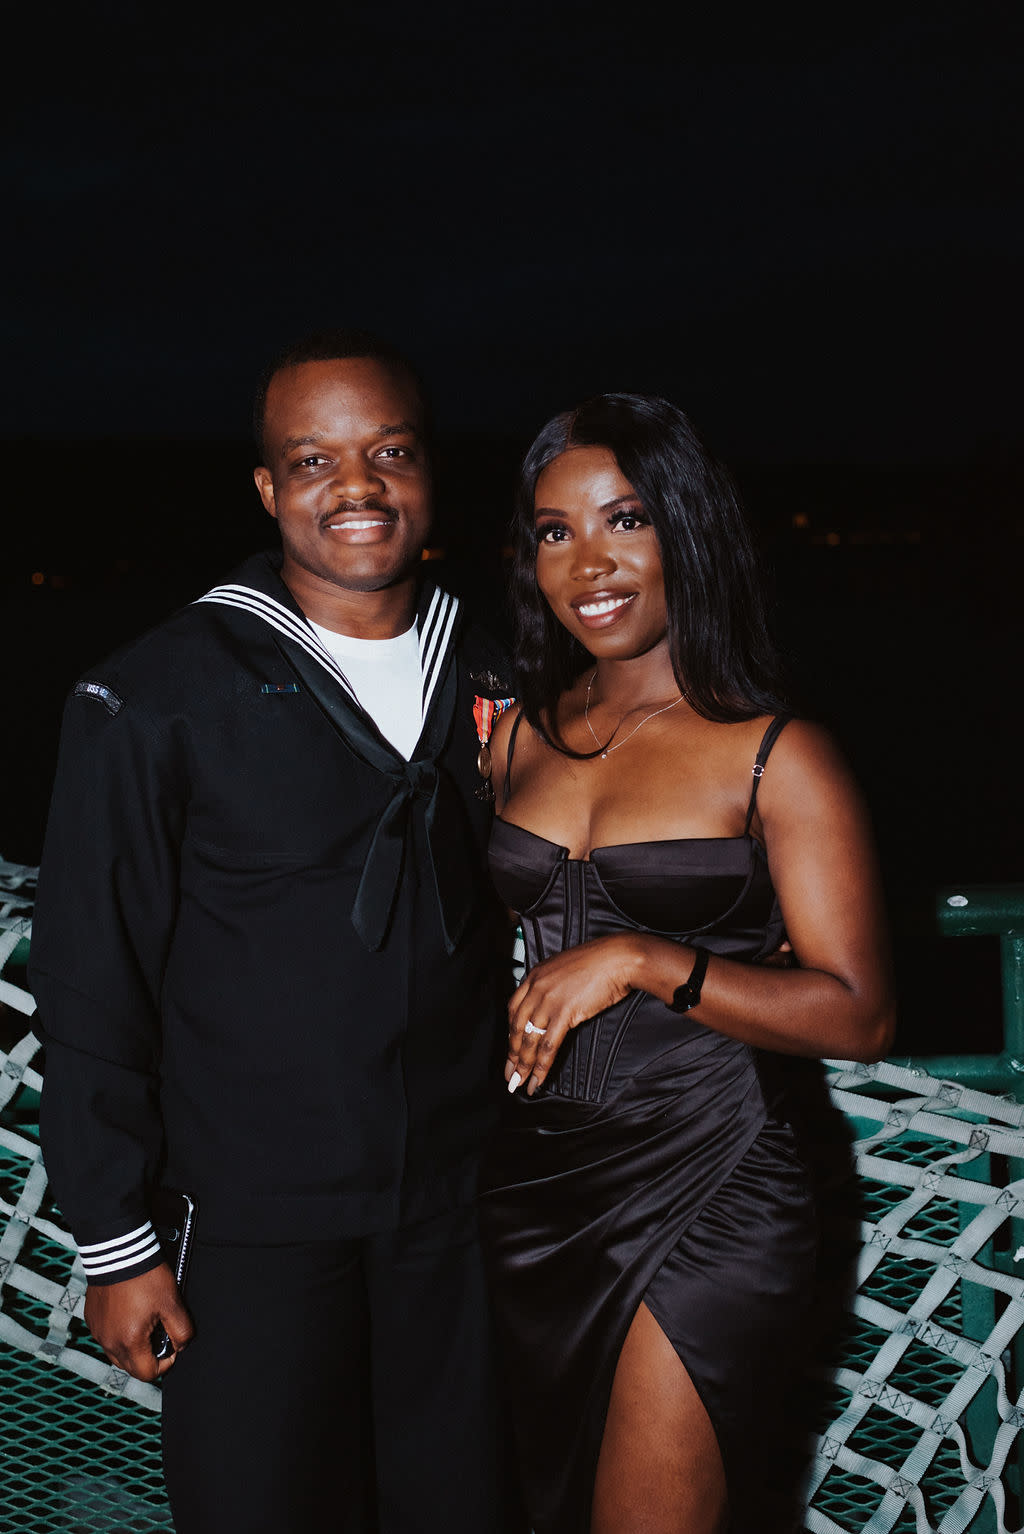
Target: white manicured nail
(515, 1080)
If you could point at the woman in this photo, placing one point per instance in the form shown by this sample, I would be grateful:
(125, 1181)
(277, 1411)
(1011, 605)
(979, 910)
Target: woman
(664, 830)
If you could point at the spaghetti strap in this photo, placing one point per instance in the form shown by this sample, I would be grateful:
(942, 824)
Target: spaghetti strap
(768, 740)
(517, 721)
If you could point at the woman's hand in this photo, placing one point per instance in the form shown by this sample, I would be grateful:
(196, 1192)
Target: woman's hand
(559, 994)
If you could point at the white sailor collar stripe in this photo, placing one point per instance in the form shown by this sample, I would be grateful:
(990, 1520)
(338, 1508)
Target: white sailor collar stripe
(435, 629)
(436, 626)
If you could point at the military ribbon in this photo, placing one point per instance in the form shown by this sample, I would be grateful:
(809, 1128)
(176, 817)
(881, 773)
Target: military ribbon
(487, 712)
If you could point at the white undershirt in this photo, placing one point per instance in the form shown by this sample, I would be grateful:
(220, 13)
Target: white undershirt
(387, 678)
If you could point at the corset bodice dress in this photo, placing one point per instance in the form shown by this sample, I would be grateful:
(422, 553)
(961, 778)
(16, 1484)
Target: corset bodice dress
(655, 1165)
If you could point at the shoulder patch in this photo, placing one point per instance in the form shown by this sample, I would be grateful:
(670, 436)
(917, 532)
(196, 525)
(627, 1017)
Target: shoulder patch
(102, 693)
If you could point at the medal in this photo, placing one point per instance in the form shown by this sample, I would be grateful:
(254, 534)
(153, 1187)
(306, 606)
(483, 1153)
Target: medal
(487, 712)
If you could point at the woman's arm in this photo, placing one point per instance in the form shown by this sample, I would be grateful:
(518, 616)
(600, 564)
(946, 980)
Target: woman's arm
(839, 1002)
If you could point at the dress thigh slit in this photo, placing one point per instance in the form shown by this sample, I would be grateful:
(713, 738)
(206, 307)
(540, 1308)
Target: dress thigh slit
(677, 1453)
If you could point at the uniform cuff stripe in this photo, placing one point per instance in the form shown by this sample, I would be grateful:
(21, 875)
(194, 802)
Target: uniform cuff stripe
(123, 1252)
(93, 1270)
(107, 1246)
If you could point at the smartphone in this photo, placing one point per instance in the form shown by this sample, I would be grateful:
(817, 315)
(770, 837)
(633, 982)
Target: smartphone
(174, 1220)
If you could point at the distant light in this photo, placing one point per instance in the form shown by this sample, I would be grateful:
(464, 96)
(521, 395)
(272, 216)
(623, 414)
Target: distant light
(432, 554)
(801, 519)
(38, 578)
(832, 539)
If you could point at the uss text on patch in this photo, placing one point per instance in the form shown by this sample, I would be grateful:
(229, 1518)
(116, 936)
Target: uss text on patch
(102, 693)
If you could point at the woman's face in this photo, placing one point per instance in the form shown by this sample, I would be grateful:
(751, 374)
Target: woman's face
(598, 561)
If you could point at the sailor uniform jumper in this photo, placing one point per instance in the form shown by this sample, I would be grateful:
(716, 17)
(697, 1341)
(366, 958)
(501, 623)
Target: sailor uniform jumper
(264, 957)
(263, 951)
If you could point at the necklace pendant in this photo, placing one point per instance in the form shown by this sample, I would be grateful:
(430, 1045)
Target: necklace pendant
(604, 756)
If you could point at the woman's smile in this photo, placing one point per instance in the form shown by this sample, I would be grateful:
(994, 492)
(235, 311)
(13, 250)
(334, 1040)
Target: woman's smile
(601, 610)
(598, 560)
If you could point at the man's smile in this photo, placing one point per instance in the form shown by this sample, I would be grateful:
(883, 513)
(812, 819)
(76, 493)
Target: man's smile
(358, 524)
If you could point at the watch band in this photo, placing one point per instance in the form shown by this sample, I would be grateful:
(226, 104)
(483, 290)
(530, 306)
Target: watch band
(687, 995)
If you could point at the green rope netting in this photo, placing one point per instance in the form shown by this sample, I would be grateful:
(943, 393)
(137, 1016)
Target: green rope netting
(922, 1429)
(927, 1435)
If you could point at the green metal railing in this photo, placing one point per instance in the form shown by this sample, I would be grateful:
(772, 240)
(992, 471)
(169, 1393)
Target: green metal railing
(985, 910)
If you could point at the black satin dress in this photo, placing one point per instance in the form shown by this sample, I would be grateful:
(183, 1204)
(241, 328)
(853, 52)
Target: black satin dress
(655, 1165)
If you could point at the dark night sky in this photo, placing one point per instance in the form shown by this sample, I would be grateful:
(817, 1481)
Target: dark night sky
(807, 233)
(804, 228)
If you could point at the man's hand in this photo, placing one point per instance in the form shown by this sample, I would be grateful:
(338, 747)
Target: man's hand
(122, 1318)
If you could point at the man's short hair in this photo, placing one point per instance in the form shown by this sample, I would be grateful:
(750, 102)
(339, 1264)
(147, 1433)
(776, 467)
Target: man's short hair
(335, 346)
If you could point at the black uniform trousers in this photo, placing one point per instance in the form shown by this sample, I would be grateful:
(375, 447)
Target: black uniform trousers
(343, 1385)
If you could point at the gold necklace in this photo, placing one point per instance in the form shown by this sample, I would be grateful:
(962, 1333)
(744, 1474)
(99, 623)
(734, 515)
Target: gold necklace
(607, 750)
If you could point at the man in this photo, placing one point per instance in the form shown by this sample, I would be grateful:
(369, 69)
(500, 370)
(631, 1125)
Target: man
(264, 961)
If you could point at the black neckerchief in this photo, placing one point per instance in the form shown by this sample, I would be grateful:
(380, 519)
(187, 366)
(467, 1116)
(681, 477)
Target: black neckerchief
(418, 783)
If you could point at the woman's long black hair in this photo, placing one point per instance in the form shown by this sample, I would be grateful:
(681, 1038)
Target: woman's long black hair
(722, 655)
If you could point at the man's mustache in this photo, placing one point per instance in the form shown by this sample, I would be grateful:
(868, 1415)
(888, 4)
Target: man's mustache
(372, 503)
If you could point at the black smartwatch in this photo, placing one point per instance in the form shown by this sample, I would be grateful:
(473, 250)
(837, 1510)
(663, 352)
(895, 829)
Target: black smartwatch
(687, 995)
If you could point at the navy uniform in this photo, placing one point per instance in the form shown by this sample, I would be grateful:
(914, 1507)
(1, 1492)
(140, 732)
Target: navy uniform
(264, 959)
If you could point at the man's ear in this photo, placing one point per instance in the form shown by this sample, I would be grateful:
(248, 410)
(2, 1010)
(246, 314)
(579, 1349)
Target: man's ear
(265, 486)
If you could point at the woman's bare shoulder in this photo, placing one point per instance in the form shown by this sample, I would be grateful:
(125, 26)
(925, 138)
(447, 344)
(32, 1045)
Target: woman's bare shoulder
(499, 743)
(806, 768)
(804, 744)
(731, 746)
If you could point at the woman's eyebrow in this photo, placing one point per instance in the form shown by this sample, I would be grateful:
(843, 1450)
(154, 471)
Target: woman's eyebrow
(558, 511)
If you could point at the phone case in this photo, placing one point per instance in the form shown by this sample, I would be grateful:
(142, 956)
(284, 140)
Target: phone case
(174, 1219)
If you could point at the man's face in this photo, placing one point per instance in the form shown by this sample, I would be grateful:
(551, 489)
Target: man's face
(346, 475)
